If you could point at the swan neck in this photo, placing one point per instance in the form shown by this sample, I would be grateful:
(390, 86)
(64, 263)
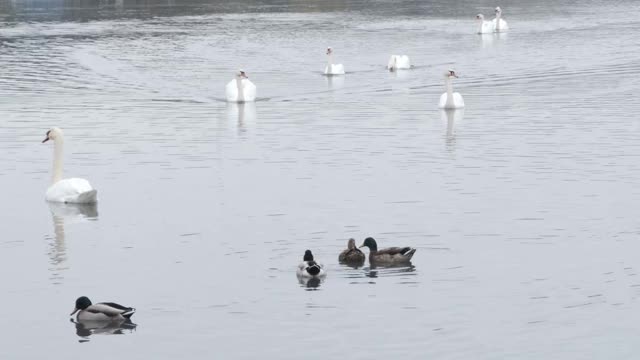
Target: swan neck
(449, 87)
(58, 145)
(240, 89)
(329, 60)
(498, 21)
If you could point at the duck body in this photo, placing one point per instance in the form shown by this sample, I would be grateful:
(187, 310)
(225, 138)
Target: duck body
(72, 190)
(399, 62)
(352, 255)
(309, 268)
(389, 256)
(105, 311)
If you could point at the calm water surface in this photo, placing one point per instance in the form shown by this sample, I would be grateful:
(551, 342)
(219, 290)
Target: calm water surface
(523, 207)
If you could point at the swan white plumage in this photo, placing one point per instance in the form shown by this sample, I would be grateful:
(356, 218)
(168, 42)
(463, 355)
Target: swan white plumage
(499, 23)
(332, 69)
(308, 268)
(485, 27)
(450, 99)
(241, 89)
(72, 190)
(399, 62)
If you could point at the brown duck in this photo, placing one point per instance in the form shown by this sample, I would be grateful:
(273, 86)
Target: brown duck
(352, 254)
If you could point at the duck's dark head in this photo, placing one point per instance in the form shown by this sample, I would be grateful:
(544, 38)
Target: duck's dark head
(370, 243)
(82, 303)
(308, 256)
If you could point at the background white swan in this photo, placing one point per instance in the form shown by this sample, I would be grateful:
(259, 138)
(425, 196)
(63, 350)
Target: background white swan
(399, 62)
(485, 27)
(450, 99)
(332, 69)
(73, 190)
(241, 89)
(499, 23)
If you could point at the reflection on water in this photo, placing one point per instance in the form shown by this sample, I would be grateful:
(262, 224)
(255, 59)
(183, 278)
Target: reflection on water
(335, 82)
(374, 270)
(451, 116)
(243, 114)
(65, 214)
(84, 329)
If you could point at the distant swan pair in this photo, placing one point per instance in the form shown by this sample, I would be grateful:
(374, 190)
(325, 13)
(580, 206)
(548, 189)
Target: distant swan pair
(496, 25)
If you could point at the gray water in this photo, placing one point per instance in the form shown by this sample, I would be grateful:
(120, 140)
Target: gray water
(522, 206)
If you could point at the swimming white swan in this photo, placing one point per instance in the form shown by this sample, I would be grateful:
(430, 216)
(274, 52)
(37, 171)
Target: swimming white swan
(399, 62)
(450, 99)
(498, 23)
(332, 69)
(485, 27)
(73, 190)
(241, 89)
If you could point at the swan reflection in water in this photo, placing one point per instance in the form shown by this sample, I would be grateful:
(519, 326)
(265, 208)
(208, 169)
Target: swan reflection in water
(84, 329)
(335, 82)
(66, 214)
(451, 116)
(243, 113)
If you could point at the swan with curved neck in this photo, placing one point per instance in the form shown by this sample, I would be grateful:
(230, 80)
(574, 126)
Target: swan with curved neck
(332, 69)
(240, 89)
(485, 27)
(399, 62)
(450, 99)
(498, 23)
(72, 190)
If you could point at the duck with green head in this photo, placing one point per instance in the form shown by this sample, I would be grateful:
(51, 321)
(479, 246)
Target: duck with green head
(106, 311)
(392, 255)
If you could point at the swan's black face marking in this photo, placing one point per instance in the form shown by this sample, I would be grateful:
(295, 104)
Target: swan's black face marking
(243, 75)
(479, 16)
(307, 256)
(329, 51)
(47, 138)
(452, 73)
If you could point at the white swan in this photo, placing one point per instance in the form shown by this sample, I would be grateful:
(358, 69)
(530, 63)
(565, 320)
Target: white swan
(241, 89)
(450, 99)
(399, 62)
(73, 190)
(332, 69)
(498, 23)
(485, 27)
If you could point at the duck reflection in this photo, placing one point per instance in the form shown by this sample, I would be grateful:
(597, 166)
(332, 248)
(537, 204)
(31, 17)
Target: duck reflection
(61, 214)
(84, 329)
(375, 270)
(451, 116)
(243, 113)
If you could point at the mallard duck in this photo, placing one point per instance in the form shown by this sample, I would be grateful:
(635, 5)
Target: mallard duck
(392, 255)
(352, 254)
(310, 268)
(106, 311)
